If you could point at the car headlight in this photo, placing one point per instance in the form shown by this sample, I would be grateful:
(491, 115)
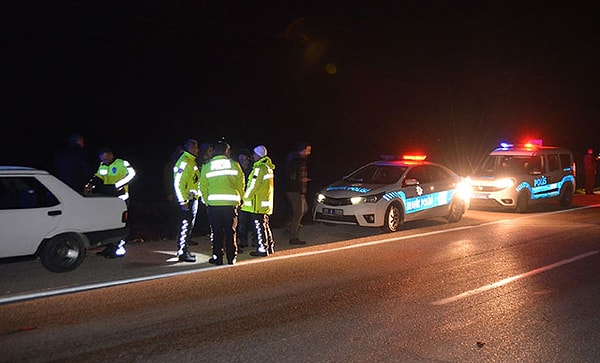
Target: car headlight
(463, 189)
(320, 198)
(504, 183)
(366, 199)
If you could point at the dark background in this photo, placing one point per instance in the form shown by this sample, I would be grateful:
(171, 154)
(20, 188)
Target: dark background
(356, 79)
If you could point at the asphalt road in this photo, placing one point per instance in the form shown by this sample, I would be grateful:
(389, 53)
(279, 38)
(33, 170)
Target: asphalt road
(494, 287)
(155, 258)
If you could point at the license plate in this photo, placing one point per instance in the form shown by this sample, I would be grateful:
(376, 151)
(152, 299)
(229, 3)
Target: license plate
(479, 196)
(333, 212)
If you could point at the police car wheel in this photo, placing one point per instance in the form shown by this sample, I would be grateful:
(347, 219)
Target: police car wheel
(566, 195)
(62, 253)
(393, 218)
(522, 202)
(457, 209)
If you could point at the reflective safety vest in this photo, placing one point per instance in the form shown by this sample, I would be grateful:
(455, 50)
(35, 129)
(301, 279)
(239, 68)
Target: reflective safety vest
(221, 182)
(119, 173)
(260, 188)
(186, 178)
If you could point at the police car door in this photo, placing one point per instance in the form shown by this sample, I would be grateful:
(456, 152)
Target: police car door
(442, 188)
(554, 176)
(417, 189)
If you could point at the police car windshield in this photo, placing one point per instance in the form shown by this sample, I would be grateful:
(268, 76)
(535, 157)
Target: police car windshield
(505, 165)
(376, 174)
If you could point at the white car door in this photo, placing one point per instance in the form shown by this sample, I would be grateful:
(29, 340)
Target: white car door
(28, 213)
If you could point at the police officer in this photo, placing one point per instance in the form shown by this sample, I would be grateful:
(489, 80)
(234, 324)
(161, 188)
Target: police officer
(186, 178)
(258, 200)
(112, 178)
(244, 217)
(589, 167)
(221, 188)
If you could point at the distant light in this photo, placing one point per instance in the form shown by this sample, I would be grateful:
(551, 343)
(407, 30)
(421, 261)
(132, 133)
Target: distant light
(330, 68)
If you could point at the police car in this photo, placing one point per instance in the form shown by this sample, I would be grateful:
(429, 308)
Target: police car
(389, 192)
(40, 216)
(515, 176)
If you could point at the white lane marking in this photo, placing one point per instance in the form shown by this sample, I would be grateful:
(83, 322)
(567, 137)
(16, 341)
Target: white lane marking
(36, 295)
(511, 279)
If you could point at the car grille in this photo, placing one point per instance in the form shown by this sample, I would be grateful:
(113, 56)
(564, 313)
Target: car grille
(484, 188)
(336, 202)
(335, 218)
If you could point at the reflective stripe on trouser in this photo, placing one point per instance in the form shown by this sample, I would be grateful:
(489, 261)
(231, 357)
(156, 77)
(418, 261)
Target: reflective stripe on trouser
(223, 224)
(264, 236)
(188, 219)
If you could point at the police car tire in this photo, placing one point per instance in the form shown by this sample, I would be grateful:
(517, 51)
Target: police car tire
(457, 209)
(62, 253)
(566, 195)
(393, 212)
(522, 202)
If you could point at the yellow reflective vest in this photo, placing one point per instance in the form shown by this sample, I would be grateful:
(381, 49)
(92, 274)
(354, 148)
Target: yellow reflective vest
(260, 188)
(186, 178)
(119, 173)
(221, 182)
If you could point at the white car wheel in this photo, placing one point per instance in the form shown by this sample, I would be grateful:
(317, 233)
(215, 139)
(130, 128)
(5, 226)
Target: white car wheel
(62, 253)
(393, 218)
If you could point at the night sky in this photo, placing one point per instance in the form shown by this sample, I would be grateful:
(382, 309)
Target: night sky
(353, 78)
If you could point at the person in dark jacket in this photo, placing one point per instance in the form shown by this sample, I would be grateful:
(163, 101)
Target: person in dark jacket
(244, 217)
(72, 164)
(296, 186)
(589, 167)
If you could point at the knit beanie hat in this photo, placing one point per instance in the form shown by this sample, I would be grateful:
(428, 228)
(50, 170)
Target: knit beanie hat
(261, 151)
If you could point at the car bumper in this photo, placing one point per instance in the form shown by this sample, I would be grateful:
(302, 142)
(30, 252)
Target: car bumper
(365, 214)
(101, 238)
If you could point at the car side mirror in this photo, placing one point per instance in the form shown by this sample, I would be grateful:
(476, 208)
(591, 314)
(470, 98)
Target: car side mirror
(411, 181)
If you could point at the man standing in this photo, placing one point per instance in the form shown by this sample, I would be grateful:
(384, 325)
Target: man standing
(221, 188)
(297, 182)
(186, 179)
(258, 200)
(71, 164)
(244, 217)
(112, 178)
(589, 166)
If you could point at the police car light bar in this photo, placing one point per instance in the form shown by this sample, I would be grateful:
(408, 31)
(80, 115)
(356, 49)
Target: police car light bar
(414, 157)
(533, 143)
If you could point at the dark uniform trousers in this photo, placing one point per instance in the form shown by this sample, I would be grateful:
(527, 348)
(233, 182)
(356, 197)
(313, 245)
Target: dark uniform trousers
(223, 224)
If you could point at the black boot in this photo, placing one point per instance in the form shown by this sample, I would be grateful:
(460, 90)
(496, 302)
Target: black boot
(187, 257)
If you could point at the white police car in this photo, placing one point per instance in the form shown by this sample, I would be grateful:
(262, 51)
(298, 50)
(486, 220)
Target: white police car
(389, 192)
(515, 176)
(40, 216)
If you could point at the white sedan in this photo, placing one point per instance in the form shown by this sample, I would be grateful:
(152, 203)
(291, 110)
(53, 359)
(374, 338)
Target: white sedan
(40, 216)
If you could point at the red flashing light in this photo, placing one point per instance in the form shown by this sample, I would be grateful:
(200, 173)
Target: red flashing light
(414, 157)
(533, 143)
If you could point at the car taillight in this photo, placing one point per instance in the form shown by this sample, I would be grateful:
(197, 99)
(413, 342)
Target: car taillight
(125, 216)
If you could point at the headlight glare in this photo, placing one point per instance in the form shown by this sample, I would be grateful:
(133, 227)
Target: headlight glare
(504, 183)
